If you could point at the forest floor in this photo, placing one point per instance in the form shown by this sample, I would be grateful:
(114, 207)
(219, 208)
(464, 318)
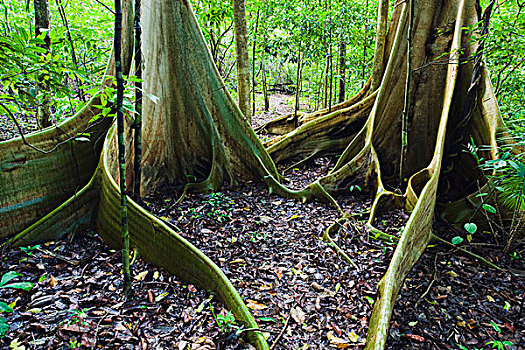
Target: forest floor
(302, 294)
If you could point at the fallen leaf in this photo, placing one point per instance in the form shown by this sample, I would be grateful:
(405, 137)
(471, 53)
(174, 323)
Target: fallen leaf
(353, 337)
(451, 274)
(53, 281)
(161, 296)
(336, 342)
(491, 299)
(415, 337)
(298, 315)
(141, 275)
(254, 305)
(16, 346)
(266, 287)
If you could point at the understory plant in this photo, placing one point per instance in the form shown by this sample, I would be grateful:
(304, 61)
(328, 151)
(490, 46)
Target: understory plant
(505, 181)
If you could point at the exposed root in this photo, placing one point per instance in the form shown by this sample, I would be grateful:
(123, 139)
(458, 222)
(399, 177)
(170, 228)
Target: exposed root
(285, 124)
(328, 239)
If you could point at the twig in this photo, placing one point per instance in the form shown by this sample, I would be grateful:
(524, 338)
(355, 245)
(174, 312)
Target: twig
(107, 8)
(282, 331)
(58, 256)
(521, 306)
(431, 282)
(96, 329)
(477, 257)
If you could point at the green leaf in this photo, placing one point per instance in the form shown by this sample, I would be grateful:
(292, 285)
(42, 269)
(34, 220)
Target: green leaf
(489, 208)
(471, 227)
(5, 308)
(8, 277)
(19, 285)
(4, 327)
(457, 240)
(267, 319)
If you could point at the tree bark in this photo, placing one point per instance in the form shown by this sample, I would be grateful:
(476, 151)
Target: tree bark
(42, 25)
(243, 58)
(195, 133)
(342, 70)
(265, 87)
(122, 151)
(379, 51)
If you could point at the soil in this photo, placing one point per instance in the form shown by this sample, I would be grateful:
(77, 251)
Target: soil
(76, 302)
(270, 249)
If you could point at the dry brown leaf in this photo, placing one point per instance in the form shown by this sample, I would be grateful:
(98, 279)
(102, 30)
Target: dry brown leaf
(254, 305)
(53, 281)
(298, 315)
(336, 342)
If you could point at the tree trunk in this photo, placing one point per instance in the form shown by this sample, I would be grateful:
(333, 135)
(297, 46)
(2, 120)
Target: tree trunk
(297, 91)
(325, 85)
(379, 51)
(253, 60)
(243, 58)
(42, 25)
(342, 71)
(195, 134)
(265, 87)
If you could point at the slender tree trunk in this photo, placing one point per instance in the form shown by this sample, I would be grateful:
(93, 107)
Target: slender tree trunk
(122, 149)
(243, 58)
(42, 25)
(325, 87)
(330, 95)
(297, 92)
(342, 70)
(364, 46)
(138, 103)
(73, 52)
(265, 87)
(253, 60)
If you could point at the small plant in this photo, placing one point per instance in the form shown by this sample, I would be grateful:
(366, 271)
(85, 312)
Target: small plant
(225, 322)
(219, 207)
(355, 188)
(29, 250)
(498, 344)
(74, 344)
(77, 316)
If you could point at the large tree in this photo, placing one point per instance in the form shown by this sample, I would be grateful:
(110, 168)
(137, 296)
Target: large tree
(195, 135)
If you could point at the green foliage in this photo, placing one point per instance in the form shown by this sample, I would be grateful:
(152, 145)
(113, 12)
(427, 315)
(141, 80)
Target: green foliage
(287, 28)
(4, 327)
(29, 250)
(77, 316)
(7, 277)
(26, 68)
(225, 322)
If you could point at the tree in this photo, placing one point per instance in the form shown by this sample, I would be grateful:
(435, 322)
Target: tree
(42, 19)
(195, 135)
(243, 58)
